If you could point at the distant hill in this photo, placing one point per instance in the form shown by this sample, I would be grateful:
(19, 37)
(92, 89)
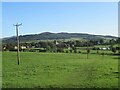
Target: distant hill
(56, 36)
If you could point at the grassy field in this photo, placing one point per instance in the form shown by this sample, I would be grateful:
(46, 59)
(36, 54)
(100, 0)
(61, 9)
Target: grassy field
(61, 70)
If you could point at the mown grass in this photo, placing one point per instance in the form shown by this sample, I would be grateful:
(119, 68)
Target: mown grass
(61, 70)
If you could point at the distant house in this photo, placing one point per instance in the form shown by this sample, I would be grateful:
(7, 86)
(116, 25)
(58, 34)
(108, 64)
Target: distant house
(27, 46)
(68, 46)
(23, 47)
(56, 43)
(73, 45)
(104, 48)
(108, 48)
(4, 47)
(15, 47)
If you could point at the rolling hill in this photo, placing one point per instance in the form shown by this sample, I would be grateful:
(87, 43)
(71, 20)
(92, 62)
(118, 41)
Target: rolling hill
(56, 36)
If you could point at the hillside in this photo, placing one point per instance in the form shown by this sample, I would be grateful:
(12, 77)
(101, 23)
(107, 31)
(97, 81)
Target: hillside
(56, 36)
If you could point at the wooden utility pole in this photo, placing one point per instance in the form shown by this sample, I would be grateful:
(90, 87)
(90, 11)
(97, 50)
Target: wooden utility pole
(87, 49)
(103, 52)
(18, 53)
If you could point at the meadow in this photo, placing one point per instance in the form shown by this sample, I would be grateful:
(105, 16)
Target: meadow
(59, 70)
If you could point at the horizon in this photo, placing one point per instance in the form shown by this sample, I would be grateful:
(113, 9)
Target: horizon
(57, 33)
(99, 18)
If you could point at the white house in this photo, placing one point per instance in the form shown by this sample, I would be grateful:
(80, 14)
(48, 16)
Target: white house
(104, 48)
(23, 47)
(15, 47)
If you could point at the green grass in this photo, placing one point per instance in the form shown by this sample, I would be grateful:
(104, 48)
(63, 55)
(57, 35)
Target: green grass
(62, 70)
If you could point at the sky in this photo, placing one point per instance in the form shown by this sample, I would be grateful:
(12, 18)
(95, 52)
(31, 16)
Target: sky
(100, 18)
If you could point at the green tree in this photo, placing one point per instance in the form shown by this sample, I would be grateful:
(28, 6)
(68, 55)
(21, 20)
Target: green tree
(101, 41)
(113, 50)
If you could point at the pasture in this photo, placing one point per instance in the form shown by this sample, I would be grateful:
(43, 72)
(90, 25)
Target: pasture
(59, 70)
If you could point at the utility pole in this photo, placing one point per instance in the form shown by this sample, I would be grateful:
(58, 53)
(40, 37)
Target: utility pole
(87, 49)
(103, 52)
(18, 53)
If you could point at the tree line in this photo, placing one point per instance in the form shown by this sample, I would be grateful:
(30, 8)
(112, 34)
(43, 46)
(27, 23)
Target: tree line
(59, 45)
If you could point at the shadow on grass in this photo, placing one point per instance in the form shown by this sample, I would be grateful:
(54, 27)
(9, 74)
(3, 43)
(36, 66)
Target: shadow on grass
(114, 88)
(117, 58)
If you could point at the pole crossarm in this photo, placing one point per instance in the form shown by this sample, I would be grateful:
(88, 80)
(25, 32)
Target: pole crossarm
(17, 24)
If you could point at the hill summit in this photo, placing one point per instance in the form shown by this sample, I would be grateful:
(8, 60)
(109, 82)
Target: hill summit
(56, 36)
